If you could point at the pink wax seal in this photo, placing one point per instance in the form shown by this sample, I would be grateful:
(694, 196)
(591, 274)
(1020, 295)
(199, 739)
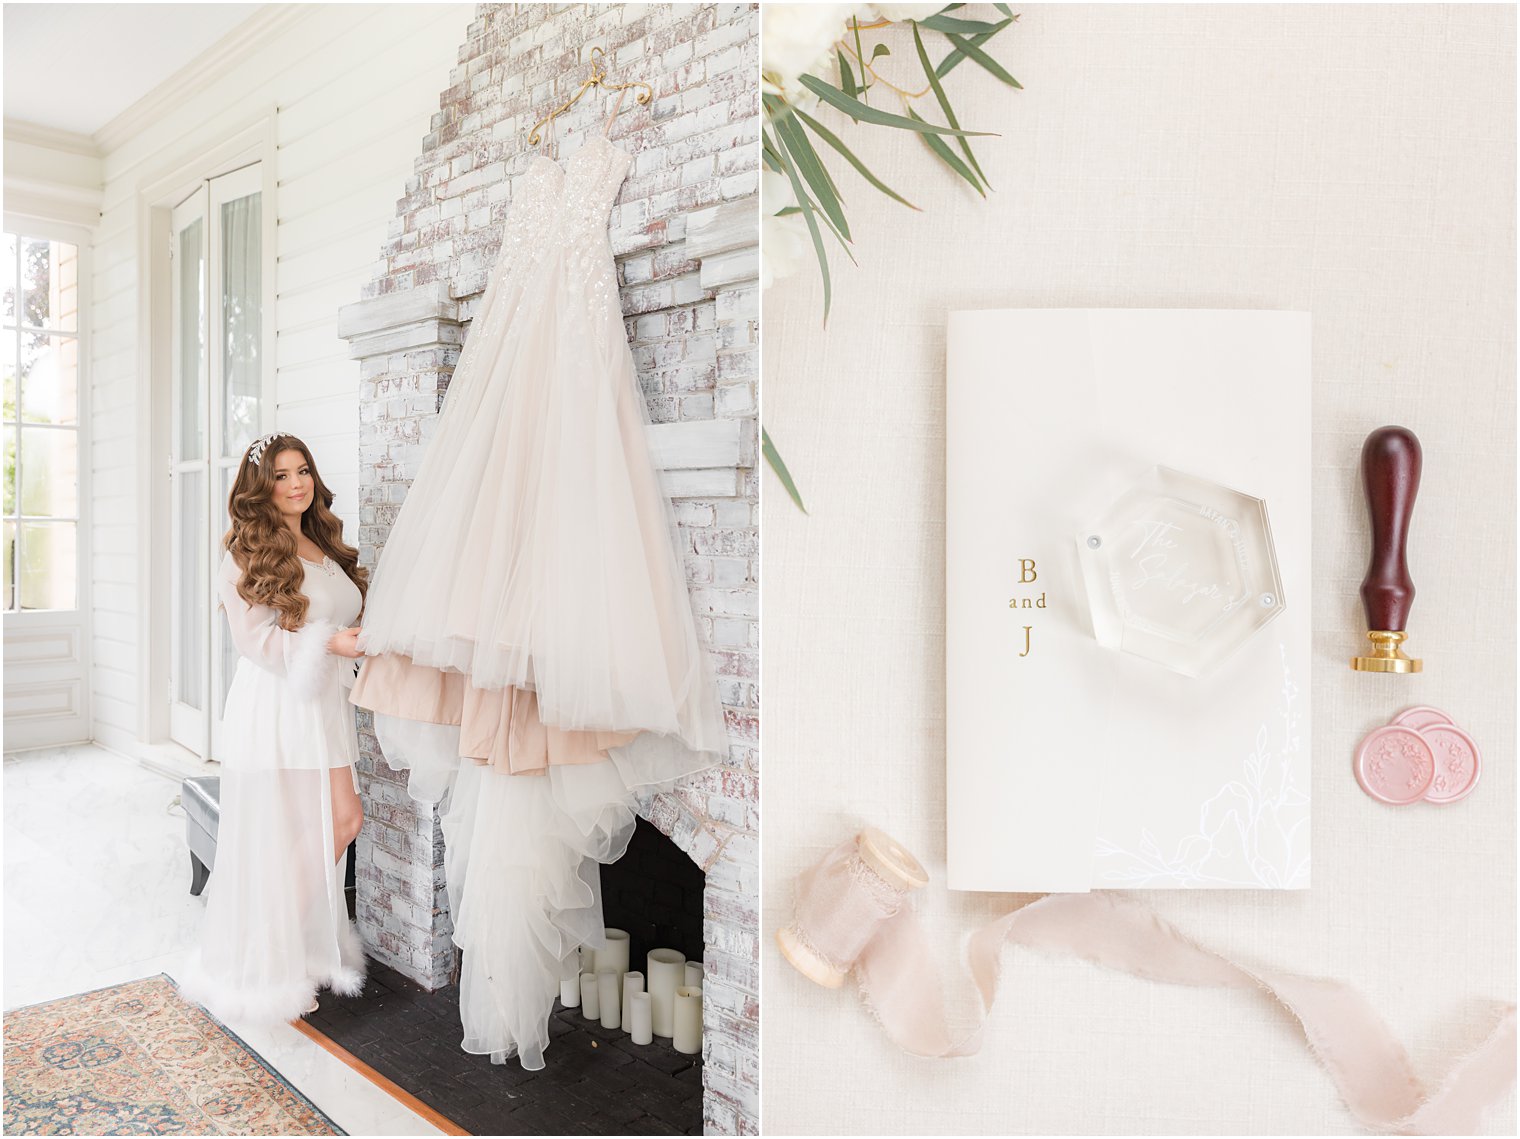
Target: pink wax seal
(1421, 717)
(1456, 763)
(1395, 765)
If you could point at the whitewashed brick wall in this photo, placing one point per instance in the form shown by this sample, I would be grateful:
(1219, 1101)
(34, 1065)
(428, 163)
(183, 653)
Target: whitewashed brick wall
(684, 231)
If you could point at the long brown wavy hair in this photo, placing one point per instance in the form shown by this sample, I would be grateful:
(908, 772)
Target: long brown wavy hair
(264, 548)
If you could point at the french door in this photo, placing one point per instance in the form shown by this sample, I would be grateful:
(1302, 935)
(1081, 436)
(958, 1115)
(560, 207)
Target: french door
(219, 406)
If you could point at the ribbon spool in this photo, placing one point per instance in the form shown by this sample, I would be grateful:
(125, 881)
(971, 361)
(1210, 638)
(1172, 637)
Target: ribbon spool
(843, 902)
(852, 916)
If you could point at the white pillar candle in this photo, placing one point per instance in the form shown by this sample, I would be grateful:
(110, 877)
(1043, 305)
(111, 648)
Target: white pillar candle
(614, 955)
(633, 984)
(589, 1004)
(664, 975)
(688, 1017)
(693, 975)
(570, 992)
(639, 1022)
(609, 1001)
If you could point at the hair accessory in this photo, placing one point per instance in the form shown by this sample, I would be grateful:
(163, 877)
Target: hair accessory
(256, 451)
(854, 914)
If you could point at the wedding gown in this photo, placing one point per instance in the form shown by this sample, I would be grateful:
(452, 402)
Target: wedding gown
(531, 652)
(276, 927)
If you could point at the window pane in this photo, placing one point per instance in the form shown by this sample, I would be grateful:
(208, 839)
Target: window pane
(242, 296)
(189, 605)
(49, 471)
(192, 337)
(10, 565)
(9, 269)
(49, 378)
(10, 470)
(49, 283)
(47, 565)
(8, 364)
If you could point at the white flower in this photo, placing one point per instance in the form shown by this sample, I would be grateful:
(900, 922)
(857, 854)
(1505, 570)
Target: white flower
(798, 39)
(784, 241)
(895, 12)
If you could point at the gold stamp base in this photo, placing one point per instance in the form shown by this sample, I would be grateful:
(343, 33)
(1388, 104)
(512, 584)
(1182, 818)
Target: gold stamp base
(1386, 655)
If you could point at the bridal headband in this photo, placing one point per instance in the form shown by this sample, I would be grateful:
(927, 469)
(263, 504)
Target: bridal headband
(256, 451)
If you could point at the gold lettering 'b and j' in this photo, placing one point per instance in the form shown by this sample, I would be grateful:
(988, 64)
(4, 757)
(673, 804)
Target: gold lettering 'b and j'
(1028, 575)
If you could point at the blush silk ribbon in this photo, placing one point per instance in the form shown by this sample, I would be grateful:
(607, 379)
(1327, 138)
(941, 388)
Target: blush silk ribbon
(852, 915)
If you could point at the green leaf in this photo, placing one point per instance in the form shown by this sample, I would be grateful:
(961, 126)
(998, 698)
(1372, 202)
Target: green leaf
(942, 148)
(977, 55)
(846, 76)
(860, 54)
(858, 110)
(811, 169)
(944, 105)
(954, 59)
(770, 155)
(878, 51)
(1003, 8)
(773, 457)
(808, 215)
(833, 140)
(943, 23)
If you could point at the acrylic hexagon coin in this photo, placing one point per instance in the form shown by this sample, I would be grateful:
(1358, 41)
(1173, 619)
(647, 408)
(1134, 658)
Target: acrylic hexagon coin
(1180, 571)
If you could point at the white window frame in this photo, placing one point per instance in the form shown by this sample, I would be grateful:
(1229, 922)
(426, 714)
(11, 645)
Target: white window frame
(156, 199)
(48, 646)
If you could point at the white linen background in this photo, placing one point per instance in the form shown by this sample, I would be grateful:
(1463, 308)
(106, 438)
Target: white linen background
(1354, 161)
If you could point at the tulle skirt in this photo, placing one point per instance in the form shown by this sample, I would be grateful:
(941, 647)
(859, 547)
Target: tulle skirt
(531, 651)
(537, 549)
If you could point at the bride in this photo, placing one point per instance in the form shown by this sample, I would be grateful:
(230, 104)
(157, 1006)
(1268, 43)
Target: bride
(276, 927)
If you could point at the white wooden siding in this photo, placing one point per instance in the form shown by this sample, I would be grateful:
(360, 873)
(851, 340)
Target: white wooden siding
(355, 88)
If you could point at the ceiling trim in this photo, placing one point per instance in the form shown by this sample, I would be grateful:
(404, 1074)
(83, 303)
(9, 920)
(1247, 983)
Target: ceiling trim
(50, 138)
(51, 203)
(184, 85)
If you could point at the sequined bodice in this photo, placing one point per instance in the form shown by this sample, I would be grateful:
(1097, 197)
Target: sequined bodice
(554, 205)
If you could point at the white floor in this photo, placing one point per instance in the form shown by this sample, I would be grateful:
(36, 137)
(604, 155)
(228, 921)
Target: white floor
(97, 891)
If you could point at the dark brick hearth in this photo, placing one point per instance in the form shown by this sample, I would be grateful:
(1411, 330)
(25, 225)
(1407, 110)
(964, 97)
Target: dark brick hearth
(596, 1081)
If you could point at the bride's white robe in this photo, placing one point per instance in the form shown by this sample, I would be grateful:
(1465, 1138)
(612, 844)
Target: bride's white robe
(276, 927)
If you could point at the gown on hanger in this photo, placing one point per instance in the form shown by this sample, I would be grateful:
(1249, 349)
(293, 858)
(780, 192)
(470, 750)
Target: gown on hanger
(276, 926)
(531, 652)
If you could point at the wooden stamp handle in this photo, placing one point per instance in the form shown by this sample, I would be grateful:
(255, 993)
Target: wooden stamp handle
(1391, 474)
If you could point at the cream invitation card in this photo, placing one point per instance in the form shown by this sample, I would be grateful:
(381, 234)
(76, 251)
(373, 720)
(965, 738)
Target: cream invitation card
(1070, 765)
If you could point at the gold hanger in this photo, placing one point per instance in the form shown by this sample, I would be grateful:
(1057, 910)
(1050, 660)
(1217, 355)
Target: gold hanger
(598, 79)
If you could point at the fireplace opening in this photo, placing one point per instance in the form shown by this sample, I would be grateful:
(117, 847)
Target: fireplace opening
(654, 892)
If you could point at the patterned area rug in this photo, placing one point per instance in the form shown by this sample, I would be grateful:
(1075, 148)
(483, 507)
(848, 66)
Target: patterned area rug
(135, 1059)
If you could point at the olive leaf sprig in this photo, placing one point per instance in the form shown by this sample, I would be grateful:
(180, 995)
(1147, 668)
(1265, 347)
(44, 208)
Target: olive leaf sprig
(788, 134)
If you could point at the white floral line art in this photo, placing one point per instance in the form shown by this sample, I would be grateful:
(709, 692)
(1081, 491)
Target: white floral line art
(1251, 832)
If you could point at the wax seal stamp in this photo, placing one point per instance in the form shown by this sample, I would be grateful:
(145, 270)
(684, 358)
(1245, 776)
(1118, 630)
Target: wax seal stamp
(1457, 762)
(1391, 476)
(1389, 764)
(1395, 765)
(1422, 716)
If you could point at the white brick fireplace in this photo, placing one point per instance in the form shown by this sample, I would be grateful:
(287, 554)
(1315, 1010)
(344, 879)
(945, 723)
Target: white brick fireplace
(684, 230)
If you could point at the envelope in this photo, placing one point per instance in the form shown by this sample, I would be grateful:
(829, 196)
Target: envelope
(1071, 766)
